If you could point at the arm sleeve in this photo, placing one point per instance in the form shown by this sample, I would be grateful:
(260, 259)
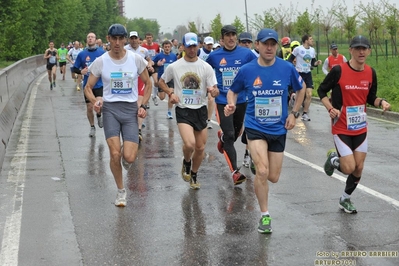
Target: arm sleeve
(373, 89)
(329, 82)
(291, 58)
(325, 66)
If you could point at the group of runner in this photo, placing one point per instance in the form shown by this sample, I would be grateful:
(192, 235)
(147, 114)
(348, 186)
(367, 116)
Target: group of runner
(250, 88)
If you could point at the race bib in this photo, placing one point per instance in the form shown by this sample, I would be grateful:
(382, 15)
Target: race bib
(63, 57)
(356, 117)
(227, 79)
(191, 97)
(52, 59)
(268, 110)
(121, 82)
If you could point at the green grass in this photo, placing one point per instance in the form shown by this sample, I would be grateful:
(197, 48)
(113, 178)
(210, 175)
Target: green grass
(387, 77)
(4, 64)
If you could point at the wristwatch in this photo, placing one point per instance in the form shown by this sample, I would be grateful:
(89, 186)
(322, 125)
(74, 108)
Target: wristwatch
(296, 114)
(143, 106)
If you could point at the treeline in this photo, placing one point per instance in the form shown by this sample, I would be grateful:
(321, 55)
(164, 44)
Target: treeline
(26, 26)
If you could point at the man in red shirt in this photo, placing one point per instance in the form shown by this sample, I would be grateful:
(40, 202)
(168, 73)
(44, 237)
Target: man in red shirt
(153, 50)
(334, 59)
(353, 85)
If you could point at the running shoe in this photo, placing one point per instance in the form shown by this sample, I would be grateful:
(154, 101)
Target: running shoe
(305, 117)
(140, 137)
(92, 132)
(209, 124)
(51, 86)
(121, 198)
(347, 206)
(169, 115)
(100, 121)
(292, 100)
(78, 88)
(265, 225)
(238, 178)
(194, 184)
(220, 142)
(155, 100)
(247, 161)
(328, 167)
(186, 171)
(54, 84)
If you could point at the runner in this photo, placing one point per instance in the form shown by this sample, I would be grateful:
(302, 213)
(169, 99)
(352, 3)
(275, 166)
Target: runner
(62, 53)
(51, 55)
(226, 62)
(193, 79)
(353, 85)
(81, 67)
(266, 81)
(71, 57)
(119, 70)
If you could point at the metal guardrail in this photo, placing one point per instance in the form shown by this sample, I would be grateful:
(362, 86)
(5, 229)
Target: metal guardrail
(14, 85)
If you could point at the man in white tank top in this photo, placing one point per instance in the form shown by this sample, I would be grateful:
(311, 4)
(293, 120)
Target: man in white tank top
(119, 70)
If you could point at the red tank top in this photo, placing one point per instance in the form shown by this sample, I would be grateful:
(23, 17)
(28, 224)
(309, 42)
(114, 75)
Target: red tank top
(334, 61)
(355, 86)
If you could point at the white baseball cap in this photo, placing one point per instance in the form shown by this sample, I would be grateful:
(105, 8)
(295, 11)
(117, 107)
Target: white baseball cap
(133, 33)
(208, 40)
(190, 39)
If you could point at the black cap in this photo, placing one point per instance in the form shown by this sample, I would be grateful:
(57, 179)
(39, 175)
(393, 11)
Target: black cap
(333, 46)
(245, 36)
(228, 29)
(360, 41)
(117, 30)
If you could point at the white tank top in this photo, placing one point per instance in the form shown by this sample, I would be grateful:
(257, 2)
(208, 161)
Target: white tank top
(122, 79)
(203, 55)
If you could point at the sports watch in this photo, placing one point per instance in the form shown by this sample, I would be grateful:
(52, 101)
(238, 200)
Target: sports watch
(296, 114)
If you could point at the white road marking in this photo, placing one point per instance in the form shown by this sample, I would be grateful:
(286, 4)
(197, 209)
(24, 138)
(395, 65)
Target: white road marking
(343, 179)
(16, 178)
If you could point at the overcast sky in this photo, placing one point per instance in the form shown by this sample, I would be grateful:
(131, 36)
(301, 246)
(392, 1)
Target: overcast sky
(171, 13)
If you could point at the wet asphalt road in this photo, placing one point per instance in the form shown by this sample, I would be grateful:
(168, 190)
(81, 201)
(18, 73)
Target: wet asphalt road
(57, 194)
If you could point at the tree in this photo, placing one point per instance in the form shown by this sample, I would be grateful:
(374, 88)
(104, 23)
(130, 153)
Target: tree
(392, 24)
(239, 25)
(264, 21)
(192, 27)
(304, 24)
(216, 27)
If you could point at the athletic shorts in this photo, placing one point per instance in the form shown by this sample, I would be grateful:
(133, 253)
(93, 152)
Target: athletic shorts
(170, 85)
(98, 92)
(50, 66)
(275, 143)
(197, 118)
(62, 64)
(307, 78)
(345, 144)
(120, 119)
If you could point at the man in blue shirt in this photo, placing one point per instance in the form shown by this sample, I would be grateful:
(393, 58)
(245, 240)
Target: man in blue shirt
(81, 66)
(265, 82)
(226, 62)
(162, 61)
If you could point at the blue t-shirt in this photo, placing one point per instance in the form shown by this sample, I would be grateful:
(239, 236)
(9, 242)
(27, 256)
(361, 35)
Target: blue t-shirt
(85, 59)
(267, 90)
(226, 64)
(169, 59)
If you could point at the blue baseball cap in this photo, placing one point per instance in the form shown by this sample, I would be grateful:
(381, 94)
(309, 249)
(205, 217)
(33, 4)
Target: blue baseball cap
(190, 39)
(266, 34)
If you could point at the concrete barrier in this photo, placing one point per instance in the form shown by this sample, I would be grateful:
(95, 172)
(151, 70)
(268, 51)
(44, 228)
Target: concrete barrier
(14, 84)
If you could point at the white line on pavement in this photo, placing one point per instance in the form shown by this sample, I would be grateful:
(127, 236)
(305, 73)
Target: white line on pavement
(16, 179)
(343, 179)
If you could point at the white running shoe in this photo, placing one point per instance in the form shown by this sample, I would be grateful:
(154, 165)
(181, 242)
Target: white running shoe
(121, 198)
